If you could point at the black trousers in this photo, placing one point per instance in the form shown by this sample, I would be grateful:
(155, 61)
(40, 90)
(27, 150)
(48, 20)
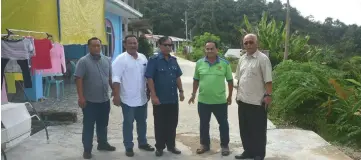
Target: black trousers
(165, 125)
(95, 113)
(24, 65)
(253, 128)
(220, 111)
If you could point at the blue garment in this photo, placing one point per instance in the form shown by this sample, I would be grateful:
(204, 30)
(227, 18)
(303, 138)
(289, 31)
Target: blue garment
(138, 114)
(164, 74)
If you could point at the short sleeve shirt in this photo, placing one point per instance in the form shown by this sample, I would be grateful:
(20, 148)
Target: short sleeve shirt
(253, 71)
(95, 74)
(212, 77)
(164, 74)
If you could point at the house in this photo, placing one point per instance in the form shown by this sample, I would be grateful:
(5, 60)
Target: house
(176, 41)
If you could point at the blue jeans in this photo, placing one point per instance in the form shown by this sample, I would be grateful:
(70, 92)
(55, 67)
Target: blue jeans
(95, 113)
(220, 111)
(140, 115)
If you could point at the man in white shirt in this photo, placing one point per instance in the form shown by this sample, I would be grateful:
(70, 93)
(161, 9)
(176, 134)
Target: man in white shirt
(130, 93)
(254, 75)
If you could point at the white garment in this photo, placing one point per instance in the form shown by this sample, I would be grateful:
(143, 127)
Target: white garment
(129, 72)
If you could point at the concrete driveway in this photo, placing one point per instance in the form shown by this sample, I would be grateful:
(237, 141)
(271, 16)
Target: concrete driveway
(65, 141)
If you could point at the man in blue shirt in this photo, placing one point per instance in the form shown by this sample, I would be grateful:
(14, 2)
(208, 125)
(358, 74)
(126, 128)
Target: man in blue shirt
(163, 74)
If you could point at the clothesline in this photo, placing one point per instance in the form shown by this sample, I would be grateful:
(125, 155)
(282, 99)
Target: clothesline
(11, 31)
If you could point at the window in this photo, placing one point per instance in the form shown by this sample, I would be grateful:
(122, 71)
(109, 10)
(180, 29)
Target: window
(109, 49)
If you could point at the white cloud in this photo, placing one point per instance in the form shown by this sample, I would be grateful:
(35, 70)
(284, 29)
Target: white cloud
(347, 11)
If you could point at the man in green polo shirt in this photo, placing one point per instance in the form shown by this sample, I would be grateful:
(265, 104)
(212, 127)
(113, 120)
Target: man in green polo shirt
(210, 75)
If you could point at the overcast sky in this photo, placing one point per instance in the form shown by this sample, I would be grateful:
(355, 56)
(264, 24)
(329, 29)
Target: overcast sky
(347, 11)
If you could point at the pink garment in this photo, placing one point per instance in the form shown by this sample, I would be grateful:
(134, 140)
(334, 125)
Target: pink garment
(57, 60)
(4, 97)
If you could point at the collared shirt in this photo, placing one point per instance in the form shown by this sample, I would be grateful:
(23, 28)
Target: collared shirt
(164, 74)
(211, 79)
(95, 74)
(129, 72)
(253, 72)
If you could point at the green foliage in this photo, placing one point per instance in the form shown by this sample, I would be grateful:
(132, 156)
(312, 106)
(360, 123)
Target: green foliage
(199, 42)
(145, 47)
(316, 97)
(271, 36)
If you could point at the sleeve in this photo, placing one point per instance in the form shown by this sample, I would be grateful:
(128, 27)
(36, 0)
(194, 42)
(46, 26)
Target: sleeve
(80, 69)
(110, 67)
(118, 72)
(196, 73)
(150, 71)
(179, 70)
(266, 69)
(229, 75)
(237, 76)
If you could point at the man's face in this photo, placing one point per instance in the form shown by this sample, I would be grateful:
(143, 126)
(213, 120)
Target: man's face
(95, 47)
(166, 46)
(131, 45)
(211, 50)
(250, 44)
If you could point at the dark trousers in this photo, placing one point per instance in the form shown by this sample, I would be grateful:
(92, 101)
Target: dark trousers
(95, 113)
(24, 65)
(253, 128)
(220, 111)
(165, 125)
(138, 114)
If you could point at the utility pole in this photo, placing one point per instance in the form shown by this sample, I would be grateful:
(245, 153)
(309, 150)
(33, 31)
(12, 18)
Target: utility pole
(285, 57)
(186, 22)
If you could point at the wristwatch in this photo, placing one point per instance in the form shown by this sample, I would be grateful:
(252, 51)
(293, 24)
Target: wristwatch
(267, 95)
(180, 91)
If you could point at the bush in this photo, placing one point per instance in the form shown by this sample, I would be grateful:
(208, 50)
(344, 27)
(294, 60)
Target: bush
(316, 97)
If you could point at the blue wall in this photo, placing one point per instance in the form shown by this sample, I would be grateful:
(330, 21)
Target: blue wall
(117, 27)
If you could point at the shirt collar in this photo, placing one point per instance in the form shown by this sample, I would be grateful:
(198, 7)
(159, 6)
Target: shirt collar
(131, 55)
(254, 55)
(206, 59)
(160, 56)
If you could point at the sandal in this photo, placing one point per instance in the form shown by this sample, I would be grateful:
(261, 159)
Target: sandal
(225, 151)
(202, 149)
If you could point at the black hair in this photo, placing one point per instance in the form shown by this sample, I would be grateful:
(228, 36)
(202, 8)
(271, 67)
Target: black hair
(93, 38)
(163, 39)
(214, 42)
(129, 36)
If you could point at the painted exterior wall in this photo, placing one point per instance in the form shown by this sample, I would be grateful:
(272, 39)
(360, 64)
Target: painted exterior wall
(116, 22)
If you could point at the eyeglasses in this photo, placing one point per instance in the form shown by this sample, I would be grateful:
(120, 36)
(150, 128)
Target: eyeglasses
(248, 42)
(168, 45)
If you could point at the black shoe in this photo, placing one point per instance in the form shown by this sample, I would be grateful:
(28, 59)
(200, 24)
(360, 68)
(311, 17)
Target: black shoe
(87, 155)
(174, 150)
(258, 158)
(243, 156)
(105, 147)
(129, 152)
(159, 153)
(225, 151)
(146, 147)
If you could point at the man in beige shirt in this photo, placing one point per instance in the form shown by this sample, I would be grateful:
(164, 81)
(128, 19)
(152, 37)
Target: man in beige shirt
(254, 75)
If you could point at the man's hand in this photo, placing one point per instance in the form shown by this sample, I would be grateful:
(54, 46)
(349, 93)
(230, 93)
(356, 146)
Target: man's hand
(155, 100)
(229, 100)
(116, 100)
(181, 96)
(267, 100)
(191, 100)
(81, 102)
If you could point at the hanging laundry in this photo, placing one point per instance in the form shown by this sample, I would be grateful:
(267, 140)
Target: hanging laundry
(24, 65)
(42, 58)
(17, 49)
(57, 60)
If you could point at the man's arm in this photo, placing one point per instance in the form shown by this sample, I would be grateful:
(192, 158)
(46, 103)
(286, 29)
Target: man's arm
(237, 74)
(110, 75)
(266, 69)
(229, 78)
(79, 87)
(149, 74)
(179, 80)
(116, 76)
(196, 79)
(80, 72)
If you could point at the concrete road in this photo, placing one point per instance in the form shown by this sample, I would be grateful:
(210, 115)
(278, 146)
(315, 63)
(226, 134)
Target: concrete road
(65, 141)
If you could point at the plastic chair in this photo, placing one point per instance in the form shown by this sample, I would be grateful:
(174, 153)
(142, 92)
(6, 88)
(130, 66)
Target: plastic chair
(57, 83)
(73, 65)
